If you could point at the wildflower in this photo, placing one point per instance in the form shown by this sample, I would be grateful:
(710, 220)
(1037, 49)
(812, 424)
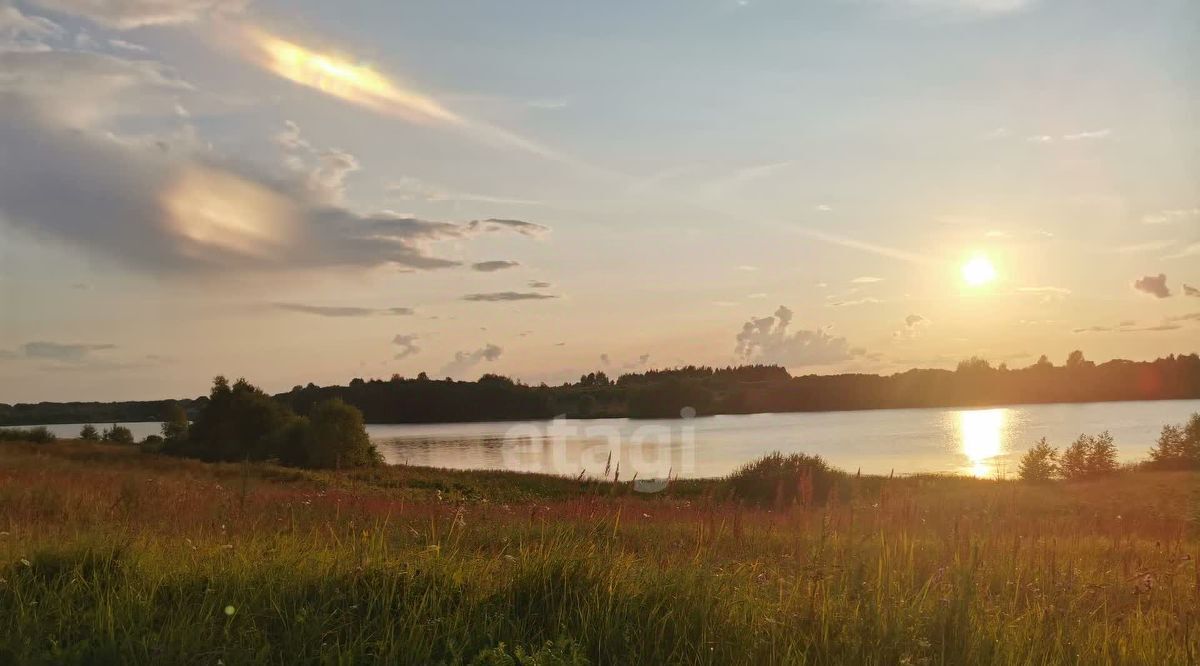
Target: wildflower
(26, 562)
(230, 610)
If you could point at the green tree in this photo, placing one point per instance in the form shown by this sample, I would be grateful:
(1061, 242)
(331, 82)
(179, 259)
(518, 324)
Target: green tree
(239, 422)
(1178, 447)
(1039, 463)
(339, 438)
(1073, 464)
(1102, 456)
(88, 433)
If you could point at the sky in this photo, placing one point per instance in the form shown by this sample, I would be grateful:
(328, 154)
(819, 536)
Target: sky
(309, 191)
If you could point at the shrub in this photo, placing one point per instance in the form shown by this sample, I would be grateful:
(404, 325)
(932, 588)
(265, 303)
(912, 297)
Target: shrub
(1039, 463)
(1102, 458)
(1178, 446)
(88, 433)
(338, 437)
(783, 480)
(37, 435)
(152, 444)
(117, 434)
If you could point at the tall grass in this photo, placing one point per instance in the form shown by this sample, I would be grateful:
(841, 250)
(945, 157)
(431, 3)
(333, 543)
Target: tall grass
(112, 556)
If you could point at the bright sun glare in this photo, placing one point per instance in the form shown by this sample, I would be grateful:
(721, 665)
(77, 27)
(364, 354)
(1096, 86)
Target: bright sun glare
(978, 271)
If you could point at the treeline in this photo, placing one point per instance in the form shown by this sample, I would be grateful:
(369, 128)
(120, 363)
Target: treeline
(701, 390)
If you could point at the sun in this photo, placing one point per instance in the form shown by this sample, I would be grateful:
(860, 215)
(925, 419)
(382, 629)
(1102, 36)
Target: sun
(978, 271)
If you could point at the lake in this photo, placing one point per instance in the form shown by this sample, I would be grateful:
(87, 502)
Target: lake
(981, 442)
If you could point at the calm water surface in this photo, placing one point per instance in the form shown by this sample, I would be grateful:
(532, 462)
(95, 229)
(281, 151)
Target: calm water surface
(982, 442)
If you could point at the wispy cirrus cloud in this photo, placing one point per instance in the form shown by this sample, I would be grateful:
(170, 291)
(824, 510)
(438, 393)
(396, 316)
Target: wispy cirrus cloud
(340, 310)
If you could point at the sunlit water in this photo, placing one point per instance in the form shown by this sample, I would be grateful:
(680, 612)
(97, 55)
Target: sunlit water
(980, 442)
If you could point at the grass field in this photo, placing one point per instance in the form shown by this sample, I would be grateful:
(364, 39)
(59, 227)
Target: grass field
(108, 555)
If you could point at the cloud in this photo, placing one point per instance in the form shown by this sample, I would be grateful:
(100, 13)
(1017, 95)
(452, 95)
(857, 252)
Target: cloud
(914, 325)
(518, 226)
(323, 171)
(866, 279)
(407, 344)
(1168, 324)
(539, 284)
(1047, 294)
(492, 266)
(340, 311)
(1190, 250)
(857, 301)
(605, 360)
(408, 188)
(1171, 216)
(965, 7)
(1147, 246)
(128, 14)
(1087, 136)
(55, 351)
(1189, 290)
(22, 32)
(768, 340)
(1191, 316)
(162, 207)
(1156, 286)
(465, 360)
(496, 296)
(360, 85)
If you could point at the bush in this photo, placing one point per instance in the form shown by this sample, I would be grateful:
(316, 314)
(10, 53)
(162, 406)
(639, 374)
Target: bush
(339, 438)
(38, 435)
(1178, 446)
(117, 434)
(1039, 463)
(152, 444)
(780, 480)
(88, 433)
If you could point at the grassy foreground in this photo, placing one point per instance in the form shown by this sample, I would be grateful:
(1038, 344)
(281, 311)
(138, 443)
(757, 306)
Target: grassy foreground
(108, 555)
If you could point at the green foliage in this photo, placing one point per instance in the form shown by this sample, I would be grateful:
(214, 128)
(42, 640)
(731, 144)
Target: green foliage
(117, 434)
(240, 422)
(1178, 447)
(561, 653)
(339, 438)
(778, 480)
(88, 433)
(38, 435)
(1089, 457)
(1039, 463)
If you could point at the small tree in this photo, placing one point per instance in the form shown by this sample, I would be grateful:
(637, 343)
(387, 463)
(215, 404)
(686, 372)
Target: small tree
(1073, 464)
(1102, 456)
(1039, 463)
(88, 433)
(118, 434)
(1178, 446)
(339, 438)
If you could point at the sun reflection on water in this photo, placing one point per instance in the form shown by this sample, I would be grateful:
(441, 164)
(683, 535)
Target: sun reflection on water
(981, 434)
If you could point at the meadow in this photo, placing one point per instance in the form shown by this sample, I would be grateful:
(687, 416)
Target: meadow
(111, 555)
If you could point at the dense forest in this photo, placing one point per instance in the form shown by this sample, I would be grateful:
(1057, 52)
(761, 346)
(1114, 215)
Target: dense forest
(707, 390)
